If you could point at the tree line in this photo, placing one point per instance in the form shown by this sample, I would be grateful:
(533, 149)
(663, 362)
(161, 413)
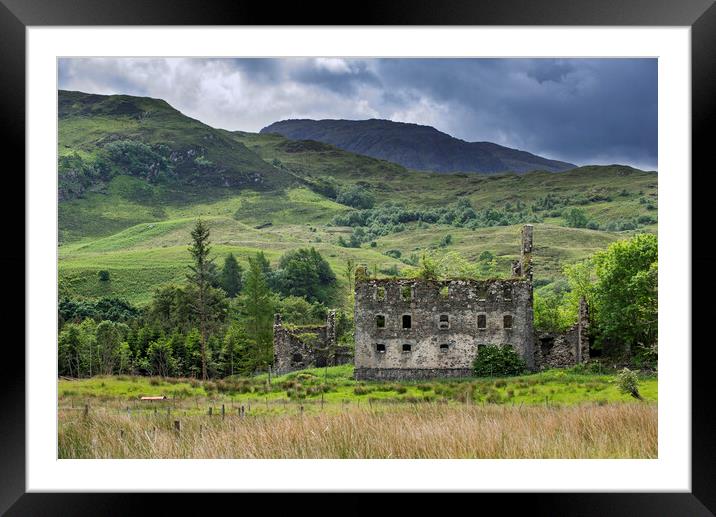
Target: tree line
(218, 322)
(620, 284)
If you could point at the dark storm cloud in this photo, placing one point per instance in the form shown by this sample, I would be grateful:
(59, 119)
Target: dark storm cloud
(579, 110)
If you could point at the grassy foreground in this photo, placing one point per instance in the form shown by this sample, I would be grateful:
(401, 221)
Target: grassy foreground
(324, 413)
(378, 431)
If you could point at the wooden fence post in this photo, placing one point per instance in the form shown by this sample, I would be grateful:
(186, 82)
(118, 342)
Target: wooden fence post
(177, 428)
(211, 410)
(223, 412)
(86, 410)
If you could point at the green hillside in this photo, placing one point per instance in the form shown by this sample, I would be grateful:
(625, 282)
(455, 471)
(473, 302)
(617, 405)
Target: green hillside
(128, 208)
(102, 137)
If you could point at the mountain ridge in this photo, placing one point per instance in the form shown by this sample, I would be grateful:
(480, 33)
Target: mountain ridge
(415, 146)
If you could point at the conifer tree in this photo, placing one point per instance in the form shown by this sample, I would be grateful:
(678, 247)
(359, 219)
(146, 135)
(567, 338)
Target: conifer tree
(231, 276)
(258, 311)
(200, 279)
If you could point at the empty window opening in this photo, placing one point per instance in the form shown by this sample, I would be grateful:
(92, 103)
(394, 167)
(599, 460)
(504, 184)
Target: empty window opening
(546, 344)
(507, 321)
(380, 321)
(407, 321)
(444, 347)
(407, 347)
(297, 358)
(380, 293)
(406, 292)
(481, 294)
(482, 321)
(380, 348)
(444, 322)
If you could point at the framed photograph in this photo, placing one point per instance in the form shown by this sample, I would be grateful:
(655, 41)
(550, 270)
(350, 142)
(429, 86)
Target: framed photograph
(415, 253)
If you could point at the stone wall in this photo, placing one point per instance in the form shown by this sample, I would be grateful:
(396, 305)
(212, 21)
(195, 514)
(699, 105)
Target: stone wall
(396, 374)
(297, 348)
(448, 321)
(568, 349)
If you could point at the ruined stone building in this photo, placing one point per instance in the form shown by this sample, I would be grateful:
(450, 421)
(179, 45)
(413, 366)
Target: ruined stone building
(416, 329)
(572, 347)
(413, 329)
(307, 346)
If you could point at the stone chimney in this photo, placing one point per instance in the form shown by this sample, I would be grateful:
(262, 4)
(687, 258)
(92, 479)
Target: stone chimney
(526, 252)
(582, 352)
(331, 329)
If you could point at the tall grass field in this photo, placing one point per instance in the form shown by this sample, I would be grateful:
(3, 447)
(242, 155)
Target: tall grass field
(420, 430)
(324, 413)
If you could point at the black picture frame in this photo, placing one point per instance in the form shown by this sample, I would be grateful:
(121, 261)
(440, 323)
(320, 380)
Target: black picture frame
(700, 15)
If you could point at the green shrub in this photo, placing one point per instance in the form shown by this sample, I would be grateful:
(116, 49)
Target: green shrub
(103, 275)
(355, 196)
(493, 398)
(575, 217)
(360, 390)
(628, 383)
(391, 270)
(494, 360)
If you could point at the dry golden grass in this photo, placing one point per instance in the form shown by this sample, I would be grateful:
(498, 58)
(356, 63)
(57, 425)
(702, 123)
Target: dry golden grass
(386, 431)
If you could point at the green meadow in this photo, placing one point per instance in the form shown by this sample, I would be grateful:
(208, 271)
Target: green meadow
(335, 385)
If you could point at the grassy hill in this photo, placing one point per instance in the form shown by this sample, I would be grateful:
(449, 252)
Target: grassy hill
(102, 137)
(129, 208)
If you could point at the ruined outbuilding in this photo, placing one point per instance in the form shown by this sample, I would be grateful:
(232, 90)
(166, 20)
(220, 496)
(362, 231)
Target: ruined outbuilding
(307, 346)
(561, 350)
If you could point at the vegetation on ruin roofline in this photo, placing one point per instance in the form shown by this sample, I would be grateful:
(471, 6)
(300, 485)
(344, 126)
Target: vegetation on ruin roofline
(291, 326)
(441, 281)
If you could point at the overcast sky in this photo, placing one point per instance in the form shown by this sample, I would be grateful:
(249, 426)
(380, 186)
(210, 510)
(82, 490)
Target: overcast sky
(585, 111)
